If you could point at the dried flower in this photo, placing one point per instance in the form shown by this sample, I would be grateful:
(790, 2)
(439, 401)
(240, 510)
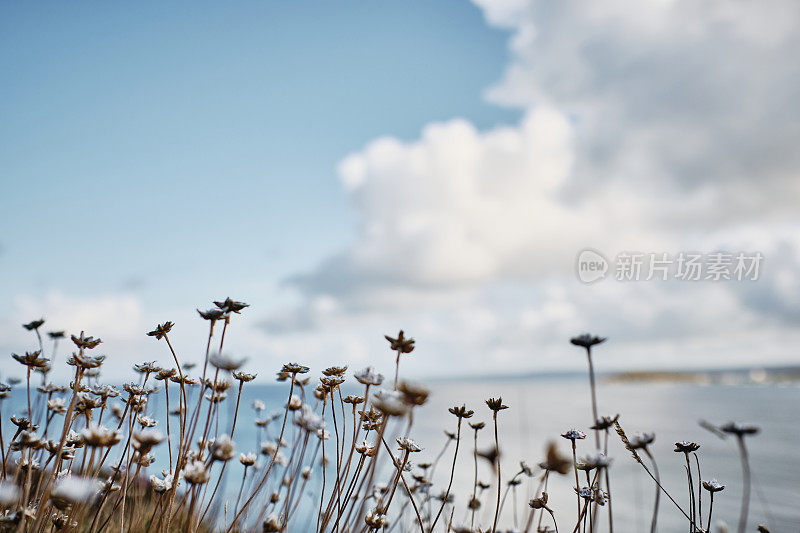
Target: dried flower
(248, 459)
(713, 486)
(554, 461)
(195, 472)
(166, 373)
(335, 371)
(390, 403)
(400, 343)
(86, 361)
(413, 393)
(740, 430)
(461, 412)
(100, 436)
(354, 400)
(540, 502)
(71, 490)
(271, 524)
(32, 359)
(367, 449)
(642, 440)
(605, 422)
(85, 343)
(225, 361)
(374, 519)
(145, 440)
(573, 435)
(408, 445)
(586, 340)
(222, 448)
(57, 405)
(161, 330)
(294, 368)
(686, 447)
(244, 377)
(496, 404)
(231, 306)
(148, 367)
(35, 324)
(212, 314)
(368, 376)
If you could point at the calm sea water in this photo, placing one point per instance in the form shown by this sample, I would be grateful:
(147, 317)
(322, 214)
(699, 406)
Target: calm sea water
(542, 409)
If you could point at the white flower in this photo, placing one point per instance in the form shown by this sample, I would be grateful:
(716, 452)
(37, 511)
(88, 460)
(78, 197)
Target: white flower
(72, 490)
(196, 473)
(224, 361)
(9, 494)
(368, 376)
(222, 449)
(390, 402)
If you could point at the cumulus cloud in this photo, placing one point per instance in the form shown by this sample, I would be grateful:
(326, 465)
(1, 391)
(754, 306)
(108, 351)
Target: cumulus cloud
(653, 126)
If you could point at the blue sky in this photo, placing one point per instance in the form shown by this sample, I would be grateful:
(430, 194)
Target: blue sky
(351, 168)
(164, 144)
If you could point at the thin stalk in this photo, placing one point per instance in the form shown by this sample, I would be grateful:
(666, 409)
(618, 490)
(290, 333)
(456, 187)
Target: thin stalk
(497, 447)
(745, 507)
(452, 473)
(658, 491)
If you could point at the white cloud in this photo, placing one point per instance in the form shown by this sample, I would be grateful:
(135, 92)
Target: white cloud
(653, 126)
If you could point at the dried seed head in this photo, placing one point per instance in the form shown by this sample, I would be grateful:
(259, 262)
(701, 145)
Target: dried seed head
(496, 404)
(354, 400)
(641, 441)
(335, 371)
(605, 422)
(195, 472)
(100, 436)
(144, 441)
(32, 360)
(461, 412)
(33, 325)
(244, 377)
(85, 361)
(212, 314)
(400, 343)
(713, 486)
(161, 330)
(554, 461)
(368, 376)
(71, 490)
(225, 361)
(294, 368)
(413, 393)
(586, 340)
(222, 448)
(740, 430)
(390, 403)
(686, 447)
(272, 524)
(540, 502)
(231, 306)
(148, 367)
(408, 445)
(573, 435)
(248, 459)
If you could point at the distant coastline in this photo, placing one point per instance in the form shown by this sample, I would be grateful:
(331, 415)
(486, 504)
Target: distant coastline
(728, 376)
